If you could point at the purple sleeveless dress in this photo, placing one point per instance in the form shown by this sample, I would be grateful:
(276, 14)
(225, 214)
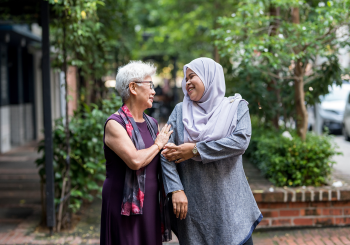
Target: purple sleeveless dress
(117, 229)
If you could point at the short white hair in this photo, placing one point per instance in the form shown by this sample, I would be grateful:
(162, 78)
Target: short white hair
(132, 72)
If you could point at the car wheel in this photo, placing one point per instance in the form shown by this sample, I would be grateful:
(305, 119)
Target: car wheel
(345, 133)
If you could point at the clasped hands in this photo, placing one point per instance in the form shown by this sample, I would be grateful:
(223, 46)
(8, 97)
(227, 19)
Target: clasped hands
(177, 154)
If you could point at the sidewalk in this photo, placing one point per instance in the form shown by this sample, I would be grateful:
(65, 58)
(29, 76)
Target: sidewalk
(20, 205)
(19, 187)
(343, 162)
(316, 236)
(20, 211)
(87, 232)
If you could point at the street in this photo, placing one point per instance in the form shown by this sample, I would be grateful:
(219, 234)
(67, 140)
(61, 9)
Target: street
(343, 162)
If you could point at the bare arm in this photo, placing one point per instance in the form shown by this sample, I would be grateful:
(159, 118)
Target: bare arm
(117, 139)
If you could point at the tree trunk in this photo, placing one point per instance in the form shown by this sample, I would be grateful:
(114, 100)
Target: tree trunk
(276, 21)
(299, 96)
(60, 210)
(295, 15)
(274, 84)
(216, 55)
(300, 107)
(66, 174)
(88, 89)
(217, 8)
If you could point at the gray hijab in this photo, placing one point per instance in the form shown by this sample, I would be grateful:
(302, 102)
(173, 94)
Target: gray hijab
(214, 116)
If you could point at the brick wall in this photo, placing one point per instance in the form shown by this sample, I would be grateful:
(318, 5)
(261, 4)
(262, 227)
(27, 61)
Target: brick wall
(72, 89)
(297, 207)
(305, 214)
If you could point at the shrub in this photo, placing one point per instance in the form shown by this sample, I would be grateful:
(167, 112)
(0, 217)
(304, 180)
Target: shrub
(292, 162)
(87, 162)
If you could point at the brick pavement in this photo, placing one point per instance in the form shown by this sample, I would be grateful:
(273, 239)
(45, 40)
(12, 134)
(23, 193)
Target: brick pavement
(20, 212)
(87, 234)
(87, 231)
(20, 205)
(314, 236)
(19, 186)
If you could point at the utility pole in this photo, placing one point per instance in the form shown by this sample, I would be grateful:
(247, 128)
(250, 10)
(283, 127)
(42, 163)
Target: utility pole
(49, 191)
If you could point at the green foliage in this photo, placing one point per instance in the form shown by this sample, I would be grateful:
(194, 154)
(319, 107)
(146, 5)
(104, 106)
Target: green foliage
(83, 40)
(291, 162)
(265, 45)
(87, 170)
(251, 32)
(117, 26)
(261, 93)
(178, 28)
(94, 35)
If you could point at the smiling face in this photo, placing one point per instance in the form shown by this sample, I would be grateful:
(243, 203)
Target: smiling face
(144, 95)
(194, 85)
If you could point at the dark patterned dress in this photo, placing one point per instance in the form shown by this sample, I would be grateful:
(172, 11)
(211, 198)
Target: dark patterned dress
(118, 229)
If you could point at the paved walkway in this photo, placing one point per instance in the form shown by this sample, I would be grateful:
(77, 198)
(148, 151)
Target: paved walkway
(317, 236)
(20, 211)
(19, 187)
(343, 162)
(20, 205)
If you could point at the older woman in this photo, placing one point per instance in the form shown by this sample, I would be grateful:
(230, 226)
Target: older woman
(130, 197)
(202, 169)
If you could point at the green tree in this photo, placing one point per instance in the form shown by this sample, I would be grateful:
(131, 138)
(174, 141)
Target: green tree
(118, 23)
(87, 165)
(290, 46)
(76, 24)
(89, 35)
(181, 29)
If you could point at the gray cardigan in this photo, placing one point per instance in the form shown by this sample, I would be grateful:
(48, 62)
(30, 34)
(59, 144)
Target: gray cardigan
(221, 206)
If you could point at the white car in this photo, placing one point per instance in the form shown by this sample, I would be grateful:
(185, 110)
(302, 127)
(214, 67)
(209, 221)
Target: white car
(332, 108)
(346, 118)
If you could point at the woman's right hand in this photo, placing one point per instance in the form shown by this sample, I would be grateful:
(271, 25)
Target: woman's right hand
(180, 204)
(163, 136)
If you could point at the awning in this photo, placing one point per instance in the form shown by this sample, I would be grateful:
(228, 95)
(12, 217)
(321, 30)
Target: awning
(17, 34)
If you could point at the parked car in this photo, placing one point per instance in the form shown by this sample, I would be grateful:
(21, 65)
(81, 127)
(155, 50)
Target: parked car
(346, 119)
(332, 108)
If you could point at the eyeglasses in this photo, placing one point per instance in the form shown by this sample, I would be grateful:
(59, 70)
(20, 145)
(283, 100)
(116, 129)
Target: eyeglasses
(150, 83)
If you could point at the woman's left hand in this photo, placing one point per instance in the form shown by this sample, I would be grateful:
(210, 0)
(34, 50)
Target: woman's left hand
(179, 153)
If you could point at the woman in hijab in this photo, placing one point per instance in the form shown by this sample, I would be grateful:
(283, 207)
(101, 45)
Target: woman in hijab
(202, 162)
